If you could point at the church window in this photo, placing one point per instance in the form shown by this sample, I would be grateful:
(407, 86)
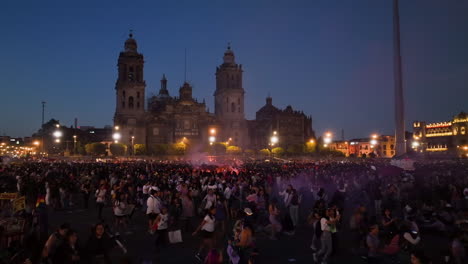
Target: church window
(138, 105)
(238, 100)
(131, 75)
(463, 130)
(391, 147)
(123, 104)
(186, 124)
(130, 102)
(155, 131)
(138, 94)
(233, 107)
(123, 94)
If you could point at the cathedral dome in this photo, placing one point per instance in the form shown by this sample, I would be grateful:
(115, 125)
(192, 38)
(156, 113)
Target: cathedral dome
(130, 44)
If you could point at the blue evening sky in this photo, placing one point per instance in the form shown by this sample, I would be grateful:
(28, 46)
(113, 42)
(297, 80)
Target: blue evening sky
(330, 58)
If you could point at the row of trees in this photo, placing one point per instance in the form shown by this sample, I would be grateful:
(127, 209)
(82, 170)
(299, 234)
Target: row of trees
(215, 149)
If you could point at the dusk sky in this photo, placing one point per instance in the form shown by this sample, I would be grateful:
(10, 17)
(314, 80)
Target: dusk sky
(333, 59)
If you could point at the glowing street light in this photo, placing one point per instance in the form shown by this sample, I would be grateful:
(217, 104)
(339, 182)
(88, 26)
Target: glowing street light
(212, 131)
(57, 140)
(274, 139)
(116, 136)
(328, 138)
(36, 143)
(116, 127)
(212, 139)
(312, 141)
(57, 134)
(415, 144)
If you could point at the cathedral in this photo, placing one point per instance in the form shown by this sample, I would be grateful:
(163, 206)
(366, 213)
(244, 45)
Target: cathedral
(166, 119)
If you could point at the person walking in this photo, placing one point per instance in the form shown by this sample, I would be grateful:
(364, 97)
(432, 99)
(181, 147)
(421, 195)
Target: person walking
(207, 228)
(327, 224)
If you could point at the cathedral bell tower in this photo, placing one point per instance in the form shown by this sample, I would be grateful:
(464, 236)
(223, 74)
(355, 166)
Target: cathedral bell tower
(229, 100)
(130, 95)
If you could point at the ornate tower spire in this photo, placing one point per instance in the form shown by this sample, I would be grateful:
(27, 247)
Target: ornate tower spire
(130, 94)
(229, 99)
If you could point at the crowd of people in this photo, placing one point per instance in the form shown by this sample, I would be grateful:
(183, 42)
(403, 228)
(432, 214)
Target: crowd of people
(363, 208)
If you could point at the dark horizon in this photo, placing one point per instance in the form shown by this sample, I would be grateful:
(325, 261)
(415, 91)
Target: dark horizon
(332, 61)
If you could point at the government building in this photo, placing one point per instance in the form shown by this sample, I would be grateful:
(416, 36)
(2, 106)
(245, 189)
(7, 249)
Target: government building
(447, 137)
(166, 119)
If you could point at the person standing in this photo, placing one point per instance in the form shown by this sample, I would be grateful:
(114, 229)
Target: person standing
(161, 233)
(153, 209)
(98, 246)
(373, 244)
(294, 208)
(100, 200)
(327, 223)
(274, 213)
(207, 228)
(86, 191)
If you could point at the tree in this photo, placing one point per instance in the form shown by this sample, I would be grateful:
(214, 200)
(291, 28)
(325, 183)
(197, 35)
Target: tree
(233, 150)
(295, 149)
(249, 151)
(117, 149)
(219, 148)
(265, 152)
(278, 151)
(158, 149)
(310, 147)
(139, 149)
(95, 149)
(176, 149)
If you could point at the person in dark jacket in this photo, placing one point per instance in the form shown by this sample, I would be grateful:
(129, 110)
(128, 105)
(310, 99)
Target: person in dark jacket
(98, 246)
(69, 252)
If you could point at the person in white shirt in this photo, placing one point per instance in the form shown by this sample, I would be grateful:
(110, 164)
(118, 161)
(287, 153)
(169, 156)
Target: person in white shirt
(100, 199)
(163, 223)
(287, 196)
(327, 225)
(210, 199)
(207, 227)
(153, 209)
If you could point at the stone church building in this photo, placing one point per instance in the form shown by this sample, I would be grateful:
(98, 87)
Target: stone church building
(165, 119)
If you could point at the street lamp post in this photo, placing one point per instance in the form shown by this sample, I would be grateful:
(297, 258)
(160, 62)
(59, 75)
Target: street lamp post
(57, 134)
(74, 144)
(374, 142)
(327, 139)
(133, 146)
(273, 141)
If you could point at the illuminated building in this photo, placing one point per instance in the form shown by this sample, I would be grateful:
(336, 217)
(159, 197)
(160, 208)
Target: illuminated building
(448, 137)
(165, 119)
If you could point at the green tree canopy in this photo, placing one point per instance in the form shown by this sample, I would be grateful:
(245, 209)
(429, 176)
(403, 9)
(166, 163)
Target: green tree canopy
(233, 150)
(265, 152)
(158, 149)
(95, 149)
(117, 149)
(278, 151)
(177, 149)
(219, 148)
(139, 149)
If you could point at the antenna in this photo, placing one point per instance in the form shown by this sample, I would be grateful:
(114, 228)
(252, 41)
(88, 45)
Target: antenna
(43, 108)
(185, 65)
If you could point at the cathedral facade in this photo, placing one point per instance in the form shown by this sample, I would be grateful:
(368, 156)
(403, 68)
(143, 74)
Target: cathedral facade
(166, 119)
